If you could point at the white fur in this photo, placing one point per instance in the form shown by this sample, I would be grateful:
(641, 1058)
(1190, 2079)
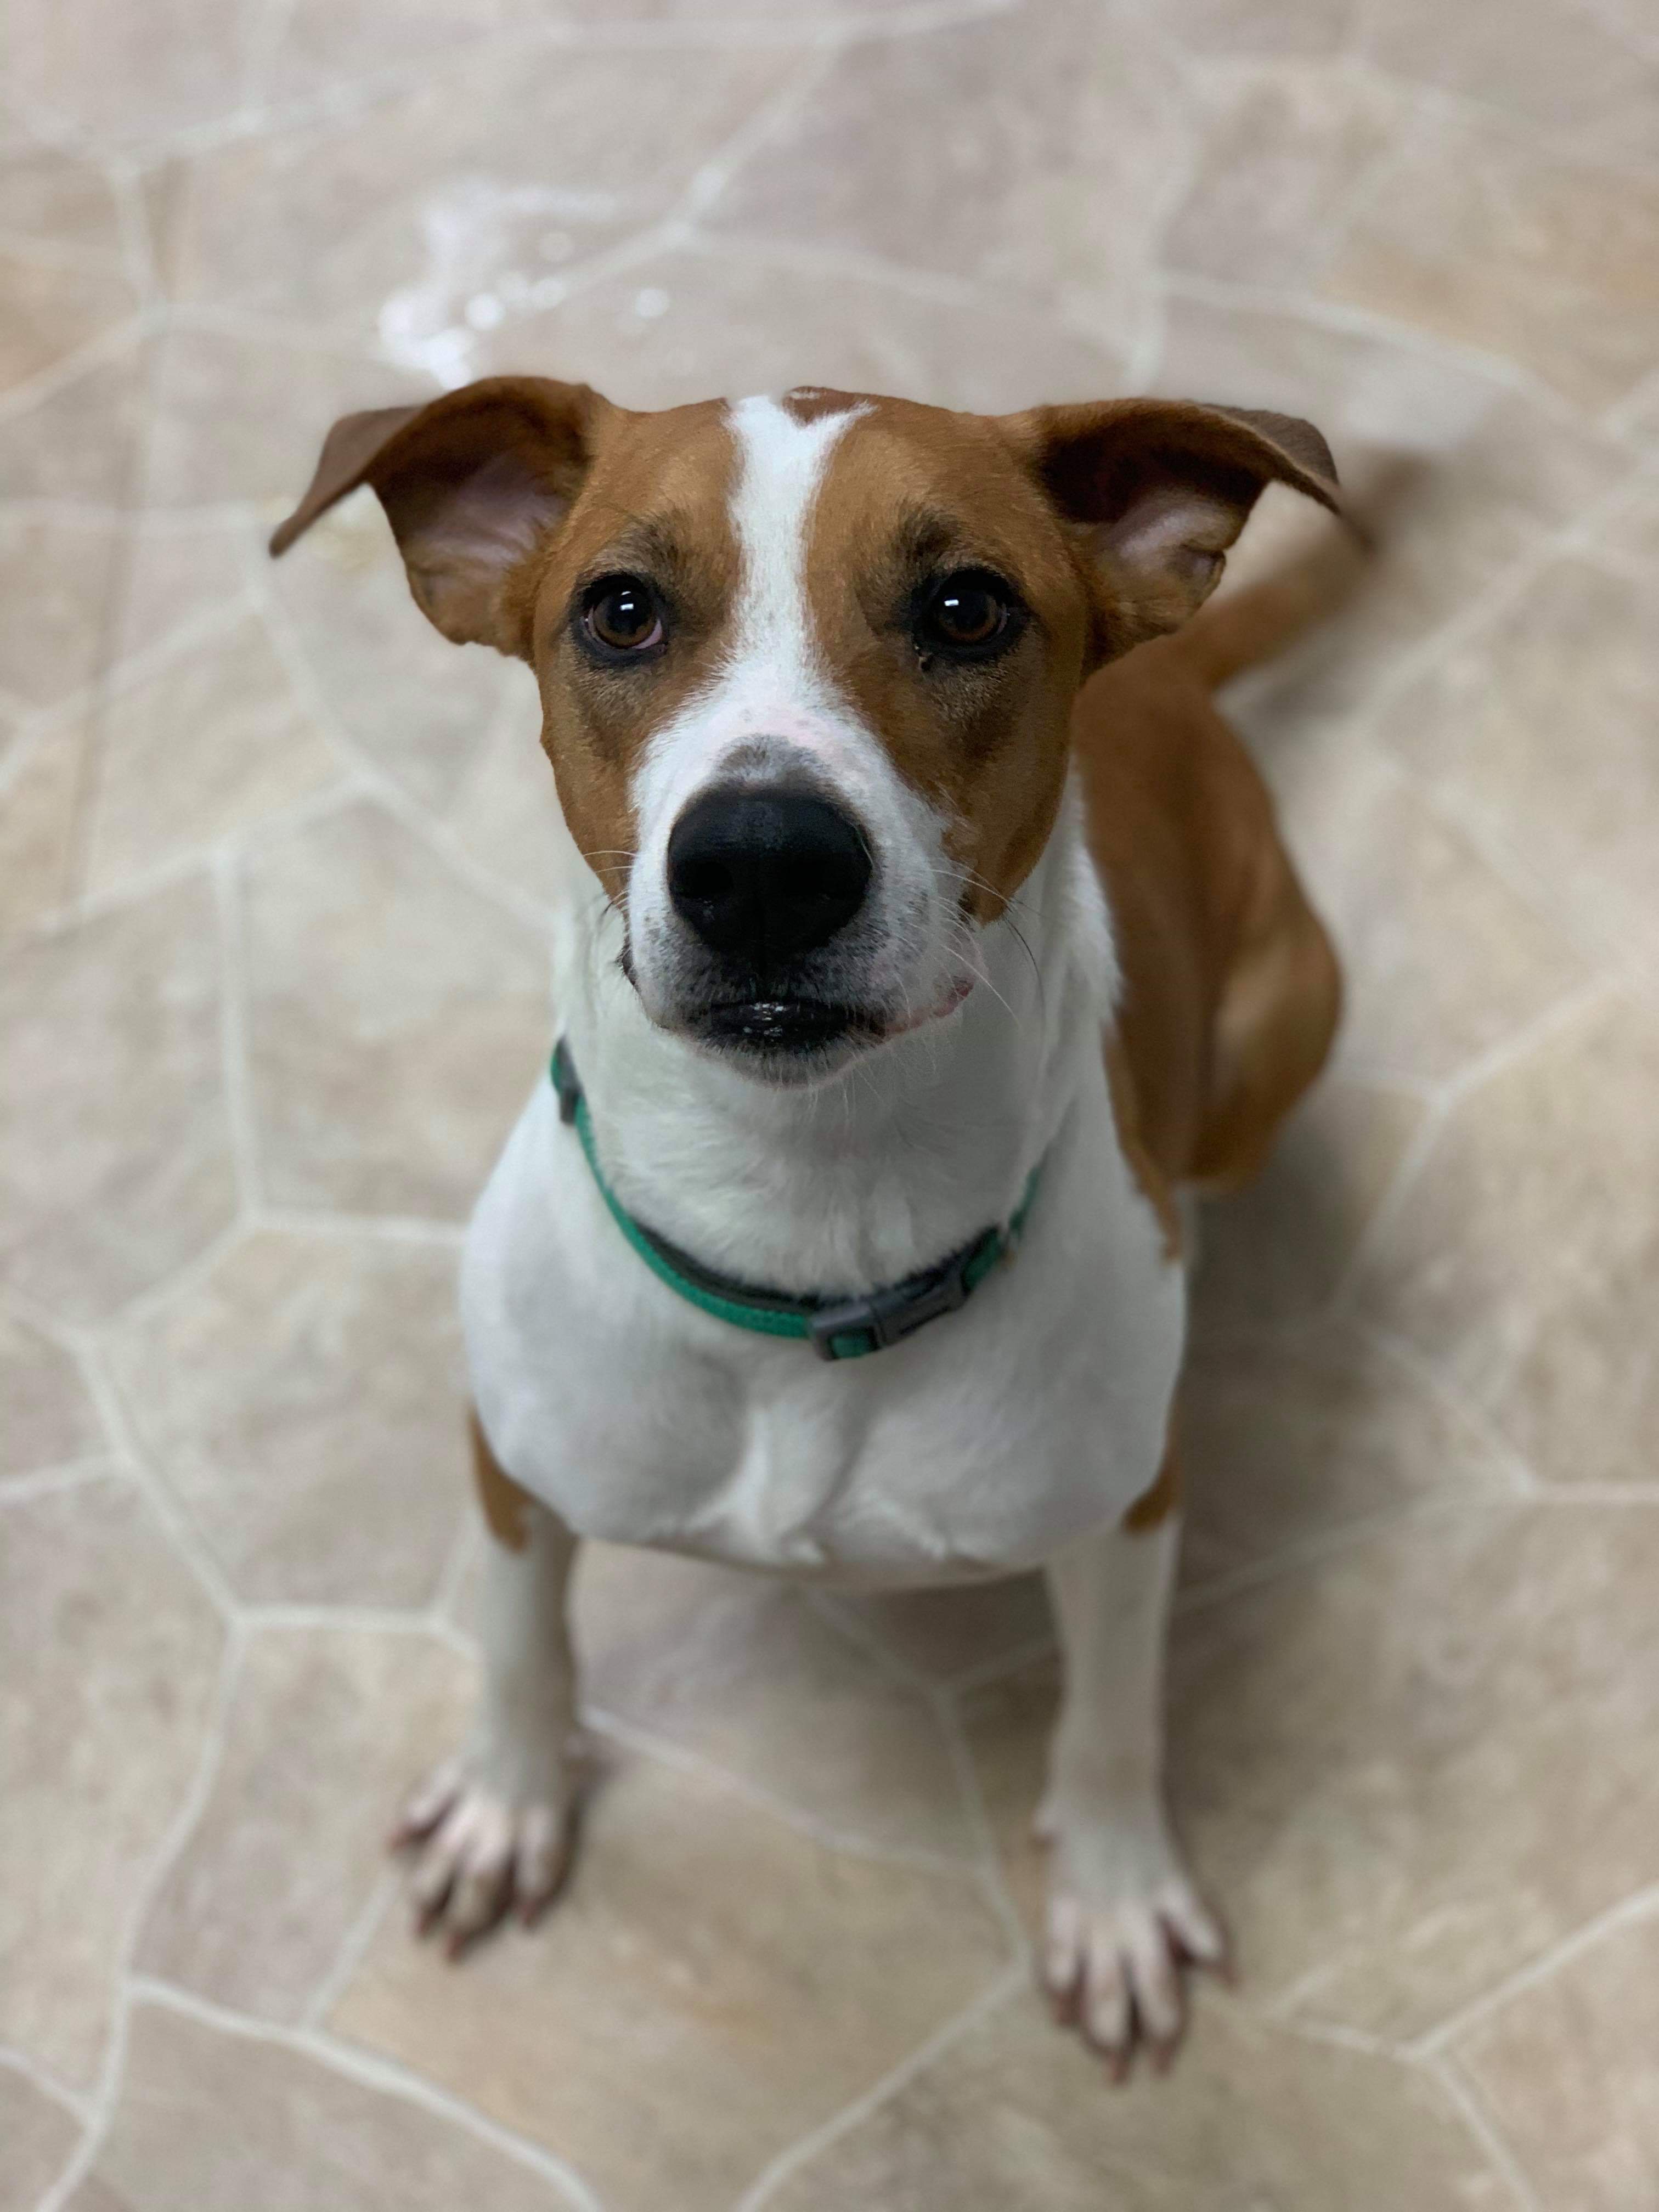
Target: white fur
(1119, 1891)
(983, 1442)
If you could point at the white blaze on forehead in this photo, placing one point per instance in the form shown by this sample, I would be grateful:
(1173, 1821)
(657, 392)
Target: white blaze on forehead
(782, 464)
(771, 684)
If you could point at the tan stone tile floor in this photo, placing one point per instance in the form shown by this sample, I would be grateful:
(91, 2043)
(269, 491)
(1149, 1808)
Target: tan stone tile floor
(273, 883)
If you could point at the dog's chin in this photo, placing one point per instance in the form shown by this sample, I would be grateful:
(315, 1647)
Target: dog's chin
(788, 1041)
(796, 1042)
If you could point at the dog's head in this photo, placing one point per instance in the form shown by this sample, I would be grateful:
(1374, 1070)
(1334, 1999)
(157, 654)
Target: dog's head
(807, 664)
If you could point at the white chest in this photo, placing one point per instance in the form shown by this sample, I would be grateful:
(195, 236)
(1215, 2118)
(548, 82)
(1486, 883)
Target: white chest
(980, 1445)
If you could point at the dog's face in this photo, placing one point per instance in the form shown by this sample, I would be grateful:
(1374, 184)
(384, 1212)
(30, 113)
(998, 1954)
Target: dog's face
(807, 664)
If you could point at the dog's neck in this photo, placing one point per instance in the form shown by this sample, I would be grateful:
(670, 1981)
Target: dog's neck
(883, 1169)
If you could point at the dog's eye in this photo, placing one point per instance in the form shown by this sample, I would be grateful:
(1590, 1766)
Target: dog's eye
(969, 615)
(621, 617)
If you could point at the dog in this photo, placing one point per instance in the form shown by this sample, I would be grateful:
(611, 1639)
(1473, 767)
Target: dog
(925, 935)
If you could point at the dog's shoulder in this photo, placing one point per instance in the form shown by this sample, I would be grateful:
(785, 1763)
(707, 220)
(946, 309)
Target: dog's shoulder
(1226, 975)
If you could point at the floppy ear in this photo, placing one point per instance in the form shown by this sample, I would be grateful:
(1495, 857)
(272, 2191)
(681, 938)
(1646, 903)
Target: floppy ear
(1165, 486)
(472, 484)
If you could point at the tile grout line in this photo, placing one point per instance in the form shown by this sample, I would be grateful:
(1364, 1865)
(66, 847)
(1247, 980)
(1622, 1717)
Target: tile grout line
(801, 2153)
(1343, 320)
(71, 514)
(51, 1481)
(338, 1222)
(134, 487)
(1465, 1411)
(235, 1038)
(1528, 1036)
(983, 1673)
(63, 256)
(857, 1632)
(370, 2071)
(1569, 148)
(22, 397)
(1614, 1495)
(137, 242)
(1619, 420)
(1425, 1138)
(353, 1949)
(452, 1575)
(285, 1617)
(382, 789)
(94, 1339)
(1327, 1544)
(337, 343)
(268, 26)
(74, 2104)
(194, 862)
(1641, 1904)
(187, 1543)
(105, 2098)
(972, 1794)
(646, 1745)
(1455, 807)
(771, 115)
(1143, 355)
(343, 100)
(1462, 2093)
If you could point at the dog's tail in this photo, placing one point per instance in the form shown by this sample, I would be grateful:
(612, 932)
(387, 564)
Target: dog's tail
(1241, 628)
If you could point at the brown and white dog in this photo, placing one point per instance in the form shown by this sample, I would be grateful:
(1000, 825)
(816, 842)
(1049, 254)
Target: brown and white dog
(902, 912)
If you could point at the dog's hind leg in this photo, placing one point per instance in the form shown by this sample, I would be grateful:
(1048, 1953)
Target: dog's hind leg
(1123, 1916)
(494, 1824)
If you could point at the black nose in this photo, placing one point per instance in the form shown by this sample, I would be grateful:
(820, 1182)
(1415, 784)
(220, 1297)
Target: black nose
(765, 876)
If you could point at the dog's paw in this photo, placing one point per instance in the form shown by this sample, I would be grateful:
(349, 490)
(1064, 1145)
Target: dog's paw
(1116, 1949)
(484, 1852)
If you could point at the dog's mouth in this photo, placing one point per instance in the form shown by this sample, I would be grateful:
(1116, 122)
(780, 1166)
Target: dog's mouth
(795, 1028)
(804, 1034)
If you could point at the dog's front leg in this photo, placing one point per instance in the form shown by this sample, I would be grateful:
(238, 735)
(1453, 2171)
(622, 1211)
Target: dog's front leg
(1122, 1915)
(494, 1823)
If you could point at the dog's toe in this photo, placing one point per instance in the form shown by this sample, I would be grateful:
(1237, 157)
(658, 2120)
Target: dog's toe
(481, 1857)
(1115, 1971)
(426, 1805)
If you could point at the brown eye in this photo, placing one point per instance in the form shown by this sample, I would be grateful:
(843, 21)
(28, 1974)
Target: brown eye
(621, 615)
(969, 615)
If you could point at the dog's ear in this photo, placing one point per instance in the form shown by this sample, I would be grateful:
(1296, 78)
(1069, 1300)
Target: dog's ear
(1164, 487)
(472, 484)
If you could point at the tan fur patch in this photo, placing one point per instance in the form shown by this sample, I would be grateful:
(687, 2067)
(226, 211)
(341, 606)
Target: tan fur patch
(656, 505)
(506, 1506)
(1231, 991)
(913, 493)
(807, 402)
(1155, 1505)
(1149, 1177)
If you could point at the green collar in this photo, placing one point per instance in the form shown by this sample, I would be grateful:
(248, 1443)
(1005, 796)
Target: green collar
(837, 1329)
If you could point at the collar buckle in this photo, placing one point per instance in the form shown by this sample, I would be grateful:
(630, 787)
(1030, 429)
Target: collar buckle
(887, 1317)
(567, 1083)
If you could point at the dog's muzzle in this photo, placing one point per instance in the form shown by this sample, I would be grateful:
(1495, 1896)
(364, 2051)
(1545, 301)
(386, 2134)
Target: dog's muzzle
(765, 877)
